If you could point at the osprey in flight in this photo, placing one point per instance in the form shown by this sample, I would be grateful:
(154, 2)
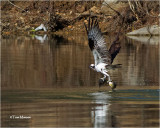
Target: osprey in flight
(103, 57)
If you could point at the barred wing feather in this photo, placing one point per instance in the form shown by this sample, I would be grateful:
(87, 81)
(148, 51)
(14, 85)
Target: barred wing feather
(97, 43)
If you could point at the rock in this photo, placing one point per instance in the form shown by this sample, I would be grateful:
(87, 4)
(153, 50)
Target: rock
(27, 27)
(95, 10)
(149, 30)
(80, 8)
(70, 12)
(69, 27)
(85, 21)
(22, 19)
(110, 1)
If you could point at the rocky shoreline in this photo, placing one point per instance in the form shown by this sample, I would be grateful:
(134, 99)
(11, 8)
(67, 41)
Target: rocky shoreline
(68, 17)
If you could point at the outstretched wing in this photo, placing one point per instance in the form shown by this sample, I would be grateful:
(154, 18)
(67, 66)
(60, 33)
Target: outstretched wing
(115, 48)
(97, 43)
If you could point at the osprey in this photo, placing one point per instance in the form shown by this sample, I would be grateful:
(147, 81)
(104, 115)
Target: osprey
(103, 57)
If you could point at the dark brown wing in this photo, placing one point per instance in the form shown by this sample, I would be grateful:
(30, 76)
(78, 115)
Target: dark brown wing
(115, 48)
(97, 43)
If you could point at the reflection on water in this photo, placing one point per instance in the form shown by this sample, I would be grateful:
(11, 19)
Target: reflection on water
(48, 78)
(41, 38)
(80, 108)
(152, 40)
(99, 113)
(26, 63)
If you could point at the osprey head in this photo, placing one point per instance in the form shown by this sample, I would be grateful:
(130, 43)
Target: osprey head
(92, 66)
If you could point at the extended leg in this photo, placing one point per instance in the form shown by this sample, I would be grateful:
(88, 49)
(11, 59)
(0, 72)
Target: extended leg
(112, 84)
(102, 81)
(104, 78)
(106, 74)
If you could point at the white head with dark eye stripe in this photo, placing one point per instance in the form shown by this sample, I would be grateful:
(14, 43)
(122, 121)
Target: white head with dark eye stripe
(92, 66)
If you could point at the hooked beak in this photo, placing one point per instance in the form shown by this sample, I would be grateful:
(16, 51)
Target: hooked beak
(91, 67)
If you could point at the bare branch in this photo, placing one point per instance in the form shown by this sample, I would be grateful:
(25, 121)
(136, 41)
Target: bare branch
(146, 8)
(132, 8)
(16, 6)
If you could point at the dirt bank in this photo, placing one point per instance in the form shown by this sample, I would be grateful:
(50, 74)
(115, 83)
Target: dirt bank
(68, 17)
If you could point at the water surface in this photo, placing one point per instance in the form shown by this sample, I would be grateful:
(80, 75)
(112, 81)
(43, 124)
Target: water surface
(48, 78)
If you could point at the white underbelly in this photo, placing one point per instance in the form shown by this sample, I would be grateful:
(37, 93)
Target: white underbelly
(100, 67)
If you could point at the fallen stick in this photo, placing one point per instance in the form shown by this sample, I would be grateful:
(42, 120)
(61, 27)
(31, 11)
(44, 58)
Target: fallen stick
(16, 6)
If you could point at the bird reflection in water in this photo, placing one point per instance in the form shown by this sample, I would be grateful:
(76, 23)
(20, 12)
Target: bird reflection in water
(101, 113)
(41, 38)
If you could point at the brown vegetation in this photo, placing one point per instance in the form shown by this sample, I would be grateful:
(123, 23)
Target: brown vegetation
(18, 16)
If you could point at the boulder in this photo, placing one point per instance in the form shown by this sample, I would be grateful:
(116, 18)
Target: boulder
(110, 1)
(148, 30)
